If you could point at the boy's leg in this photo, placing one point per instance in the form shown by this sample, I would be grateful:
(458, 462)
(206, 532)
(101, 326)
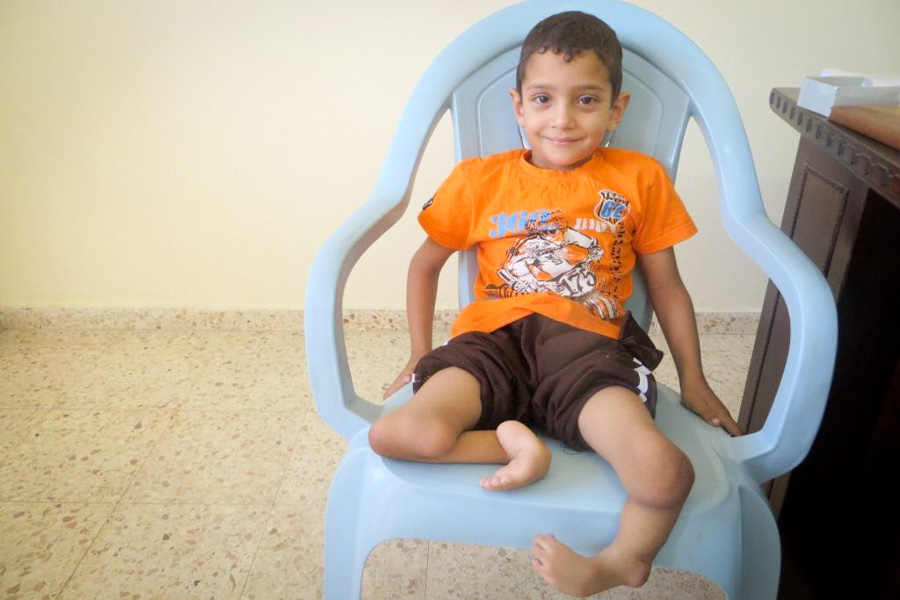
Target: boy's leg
(436, 426)
(657, 477)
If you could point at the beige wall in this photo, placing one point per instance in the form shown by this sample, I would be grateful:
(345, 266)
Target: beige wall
(196, 153)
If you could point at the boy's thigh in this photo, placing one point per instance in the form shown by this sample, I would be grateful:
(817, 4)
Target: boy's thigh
(595, 364)
(496, 364)
(450, 396)
(616, 424)
(430, 423)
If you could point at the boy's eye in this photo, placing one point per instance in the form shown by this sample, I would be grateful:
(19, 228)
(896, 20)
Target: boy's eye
(587, 100)
(541, 99)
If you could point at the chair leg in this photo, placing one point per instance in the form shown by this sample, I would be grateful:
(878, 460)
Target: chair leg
(761, 548)
(344, 563)
(735, 544)
(709, 543)
(345, 553)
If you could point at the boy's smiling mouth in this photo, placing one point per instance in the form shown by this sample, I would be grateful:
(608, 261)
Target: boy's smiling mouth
(561, 140)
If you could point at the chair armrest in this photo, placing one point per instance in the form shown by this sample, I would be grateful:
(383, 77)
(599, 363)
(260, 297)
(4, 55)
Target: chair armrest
(799, 403)
(329, 373)
(806, 381)
(326, 353)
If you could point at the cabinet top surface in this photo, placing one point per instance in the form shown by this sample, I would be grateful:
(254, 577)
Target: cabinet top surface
(875, 163)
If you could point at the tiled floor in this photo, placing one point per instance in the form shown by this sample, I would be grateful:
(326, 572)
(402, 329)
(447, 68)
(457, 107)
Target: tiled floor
(175, 465)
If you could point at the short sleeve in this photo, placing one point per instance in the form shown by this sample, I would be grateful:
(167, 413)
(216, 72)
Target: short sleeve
(664, 221)
(447, 217)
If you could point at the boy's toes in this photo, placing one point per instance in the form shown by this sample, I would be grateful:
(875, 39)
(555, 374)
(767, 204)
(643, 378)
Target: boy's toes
(497, 482)
(543, 546)
(489, 483)
(544, 539)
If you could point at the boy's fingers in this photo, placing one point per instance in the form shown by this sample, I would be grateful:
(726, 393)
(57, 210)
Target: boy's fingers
(401, 380)
(389, 390)
(722, 418)
(732, 427)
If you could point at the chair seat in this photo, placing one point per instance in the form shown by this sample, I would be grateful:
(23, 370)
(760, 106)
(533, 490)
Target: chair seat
(578, 481)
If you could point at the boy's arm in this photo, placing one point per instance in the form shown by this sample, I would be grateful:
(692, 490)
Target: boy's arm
(675, 313)
(421, 292)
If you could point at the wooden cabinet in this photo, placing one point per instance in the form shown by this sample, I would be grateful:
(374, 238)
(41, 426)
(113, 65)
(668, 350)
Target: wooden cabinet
(839, 511)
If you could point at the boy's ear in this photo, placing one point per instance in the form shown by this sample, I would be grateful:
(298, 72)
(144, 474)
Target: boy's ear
(517, 106)
(617, 110)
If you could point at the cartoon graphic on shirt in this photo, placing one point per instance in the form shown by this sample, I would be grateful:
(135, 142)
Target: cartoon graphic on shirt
(552, 257)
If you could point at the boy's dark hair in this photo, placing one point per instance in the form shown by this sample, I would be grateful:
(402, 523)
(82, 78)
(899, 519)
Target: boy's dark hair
(570, 34)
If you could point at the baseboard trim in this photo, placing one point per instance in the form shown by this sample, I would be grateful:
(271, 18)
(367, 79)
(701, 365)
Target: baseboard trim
(183, 319)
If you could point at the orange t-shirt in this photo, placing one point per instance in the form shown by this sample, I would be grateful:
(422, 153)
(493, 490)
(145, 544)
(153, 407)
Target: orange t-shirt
(558, 243)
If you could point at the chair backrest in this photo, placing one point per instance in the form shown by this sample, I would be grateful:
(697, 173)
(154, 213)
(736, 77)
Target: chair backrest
(800, 401)
(483, 124)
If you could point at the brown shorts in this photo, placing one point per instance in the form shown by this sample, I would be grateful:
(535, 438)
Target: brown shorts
(542, 372)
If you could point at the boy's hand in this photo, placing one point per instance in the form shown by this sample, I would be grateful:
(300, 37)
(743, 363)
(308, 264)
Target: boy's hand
(402, 379)
(700, 399)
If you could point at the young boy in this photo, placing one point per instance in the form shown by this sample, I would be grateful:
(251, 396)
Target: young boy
(547, 343)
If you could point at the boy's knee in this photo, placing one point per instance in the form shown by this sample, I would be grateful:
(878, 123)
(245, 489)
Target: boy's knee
(407, 440)
(380, 438)
(665, 477)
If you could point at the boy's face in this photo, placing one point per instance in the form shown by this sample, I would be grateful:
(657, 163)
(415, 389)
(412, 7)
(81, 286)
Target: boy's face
(565, 108)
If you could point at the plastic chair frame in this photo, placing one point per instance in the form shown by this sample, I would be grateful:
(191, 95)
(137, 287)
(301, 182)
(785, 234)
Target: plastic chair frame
(746, 462)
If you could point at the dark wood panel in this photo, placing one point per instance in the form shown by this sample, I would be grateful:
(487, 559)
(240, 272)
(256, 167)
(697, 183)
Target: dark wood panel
(846, 489)
(814, 217)
(838, 511)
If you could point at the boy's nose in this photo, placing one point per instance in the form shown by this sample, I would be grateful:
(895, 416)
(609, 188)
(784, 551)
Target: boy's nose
(563, 116)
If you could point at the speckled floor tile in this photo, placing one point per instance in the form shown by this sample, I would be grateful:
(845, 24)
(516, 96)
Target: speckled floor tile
(470, 572)
(193, 346)
(259, 371)
(43, 543)
(80, 456)
(16, 428)
(150, 551)
(247, 385)
(49, 337)
(316, 455)
(32, 374)
(36, 389)
(396, 569)
(225, 418)
(223, 457)
(136, 369)
(128, 376)
(668, 584)
(376, 358)
(288, 565)
(277, 345)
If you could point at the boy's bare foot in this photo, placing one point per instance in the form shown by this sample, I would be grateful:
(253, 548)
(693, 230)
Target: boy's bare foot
(583, 576)
(529, 458)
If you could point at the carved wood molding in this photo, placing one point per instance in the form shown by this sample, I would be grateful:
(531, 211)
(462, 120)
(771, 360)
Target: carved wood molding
(876, 164)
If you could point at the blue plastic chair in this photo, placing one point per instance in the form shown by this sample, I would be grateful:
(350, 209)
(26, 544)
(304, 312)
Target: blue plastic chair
(726, 531)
